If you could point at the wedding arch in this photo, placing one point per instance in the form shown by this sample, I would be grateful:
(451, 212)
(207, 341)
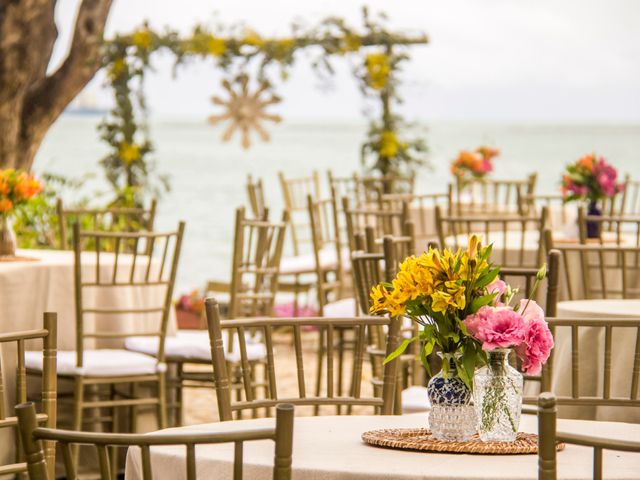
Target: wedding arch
(376, 55)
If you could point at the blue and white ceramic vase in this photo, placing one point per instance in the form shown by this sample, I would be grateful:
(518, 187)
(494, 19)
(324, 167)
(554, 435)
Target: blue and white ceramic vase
(452, 417)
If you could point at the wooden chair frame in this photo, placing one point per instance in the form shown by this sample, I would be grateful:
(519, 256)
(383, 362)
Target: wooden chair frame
(490, 225)
(597, 263)
(226, 406)
(630, 197)
(255, 195)
(104, 219)
(49, 337)
(420, 202)
(282, 435)
(622, 227)
(295, 192)
(548, 437)
(493, 193)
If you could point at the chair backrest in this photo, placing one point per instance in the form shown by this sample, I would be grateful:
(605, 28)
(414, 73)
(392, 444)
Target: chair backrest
(518, 238)
(294, 194)
(630, 197)
(325, 236)
(597, 271)
(103, 219)
(548, 437)
(383, 222)
(257, 251)
(421, 210)
(622, 230)
(149, 265)
(255, 195)
(32, 436)
(532, 204)
(525, 278)
(48, 335)
(247, 397)
(598, 330)
(373, 187)
(489, 195)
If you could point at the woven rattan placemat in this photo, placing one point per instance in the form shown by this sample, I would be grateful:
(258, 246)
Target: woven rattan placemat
(420, 439)
(14, 258)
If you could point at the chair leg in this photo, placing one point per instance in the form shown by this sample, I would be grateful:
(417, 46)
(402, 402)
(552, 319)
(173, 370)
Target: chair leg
(78, 409)
(115, 427)
(320, 359)
(133, 409)
(341, 351)
(162, 400)
(179, 395)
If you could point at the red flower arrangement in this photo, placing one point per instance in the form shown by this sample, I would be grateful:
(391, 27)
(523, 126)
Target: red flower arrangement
(475, 164)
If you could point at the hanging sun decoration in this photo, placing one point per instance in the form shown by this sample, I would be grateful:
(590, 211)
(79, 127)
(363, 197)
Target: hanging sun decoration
(245, 110)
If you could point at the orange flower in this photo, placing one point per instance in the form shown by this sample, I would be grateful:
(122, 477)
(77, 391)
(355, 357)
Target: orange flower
(587, 162)
(27, 186)
(5, 205)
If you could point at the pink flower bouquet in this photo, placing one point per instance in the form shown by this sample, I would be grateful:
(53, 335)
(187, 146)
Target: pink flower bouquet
(590, 178)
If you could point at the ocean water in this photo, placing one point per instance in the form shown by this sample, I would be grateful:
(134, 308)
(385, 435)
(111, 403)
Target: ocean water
(208, 177)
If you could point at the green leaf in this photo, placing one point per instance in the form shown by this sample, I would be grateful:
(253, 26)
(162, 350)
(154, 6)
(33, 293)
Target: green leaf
(400, 350)
(488, 277)
(424, 353)
(481, 301)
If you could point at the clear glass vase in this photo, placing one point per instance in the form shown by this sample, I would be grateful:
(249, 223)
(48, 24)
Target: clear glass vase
(452, 417)
(497, 395)
(7, 237)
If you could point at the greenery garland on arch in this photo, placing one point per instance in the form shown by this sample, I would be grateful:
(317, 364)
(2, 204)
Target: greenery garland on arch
(377, 57)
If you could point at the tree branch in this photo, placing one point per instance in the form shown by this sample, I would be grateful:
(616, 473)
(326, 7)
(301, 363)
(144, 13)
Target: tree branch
(49, 96)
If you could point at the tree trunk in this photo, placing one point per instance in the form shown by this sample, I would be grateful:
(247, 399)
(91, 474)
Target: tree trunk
(31, 100)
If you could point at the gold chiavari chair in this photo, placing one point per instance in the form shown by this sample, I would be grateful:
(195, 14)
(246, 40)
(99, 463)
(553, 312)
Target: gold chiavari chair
(255, 264)
(249, 399)
(255, 195)
(373, 187)
(100, 364)
(548, 437)
(586, 382)
(383, 222)
(47, 358)
(620, 230)
(103, 219)
(560, 214)
(33, 436)
(489, 195)
(518, 240)
(597, 271)
(294, 193)
(421, 210)
(630, 197)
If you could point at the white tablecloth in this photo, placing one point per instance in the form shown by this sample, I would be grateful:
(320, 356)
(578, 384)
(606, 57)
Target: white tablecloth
(591, 341)
(328, 448)
(46, 283)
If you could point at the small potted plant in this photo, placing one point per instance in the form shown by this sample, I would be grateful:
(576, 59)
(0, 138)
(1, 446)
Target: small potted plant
(17, 188)
(591, 179)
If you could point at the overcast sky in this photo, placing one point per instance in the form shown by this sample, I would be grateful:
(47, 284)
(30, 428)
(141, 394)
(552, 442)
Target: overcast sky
(489, 60)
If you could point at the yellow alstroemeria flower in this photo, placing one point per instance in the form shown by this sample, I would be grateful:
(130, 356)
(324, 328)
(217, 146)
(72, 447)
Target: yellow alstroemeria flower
(129, 152)
(378, 299)
(216, 46)
(395, 304)
(142, 39)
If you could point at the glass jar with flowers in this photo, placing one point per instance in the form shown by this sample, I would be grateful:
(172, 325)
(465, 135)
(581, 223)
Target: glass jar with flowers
(16, 189)
(461, 307)
(591, 179)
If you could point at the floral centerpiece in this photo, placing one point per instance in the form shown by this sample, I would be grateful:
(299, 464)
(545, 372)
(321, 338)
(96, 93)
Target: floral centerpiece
(462, 308)
(16, 189)
(474, 165)
(590, 179)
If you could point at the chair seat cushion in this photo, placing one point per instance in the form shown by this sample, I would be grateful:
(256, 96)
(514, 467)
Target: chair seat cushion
(99, 363)
(193, 345)
(415, 399)
(307, 264)
(340, 309)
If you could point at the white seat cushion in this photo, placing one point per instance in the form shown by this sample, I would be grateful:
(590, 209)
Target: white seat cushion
(341, 308)
(99, 363)
(194, 345)
(307, 264)
(415, 399)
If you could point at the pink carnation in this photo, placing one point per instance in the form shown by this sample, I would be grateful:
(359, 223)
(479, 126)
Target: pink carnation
(536, 348)
(530, 310)
(497, 286)
(496, 327)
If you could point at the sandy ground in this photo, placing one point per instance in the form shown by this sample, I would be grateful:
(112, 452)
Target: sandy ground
(201, 405)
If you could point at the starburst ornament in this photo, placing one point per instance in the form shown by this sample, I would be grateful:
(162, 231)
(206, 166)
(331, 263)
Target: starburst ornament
(244, 110)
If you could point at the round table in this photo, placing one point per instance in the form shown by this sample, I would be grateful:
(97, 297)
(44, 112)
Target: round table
(328, 448)
(591, 342)
(44, 281)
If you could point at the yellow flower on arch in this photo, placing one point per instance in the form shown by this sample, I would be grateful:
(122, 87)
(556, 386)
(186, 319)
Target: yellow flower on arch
(216, 46)
(117, 68)
(252, 38)
(129, 152)
(142, 38)
(378, 69)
